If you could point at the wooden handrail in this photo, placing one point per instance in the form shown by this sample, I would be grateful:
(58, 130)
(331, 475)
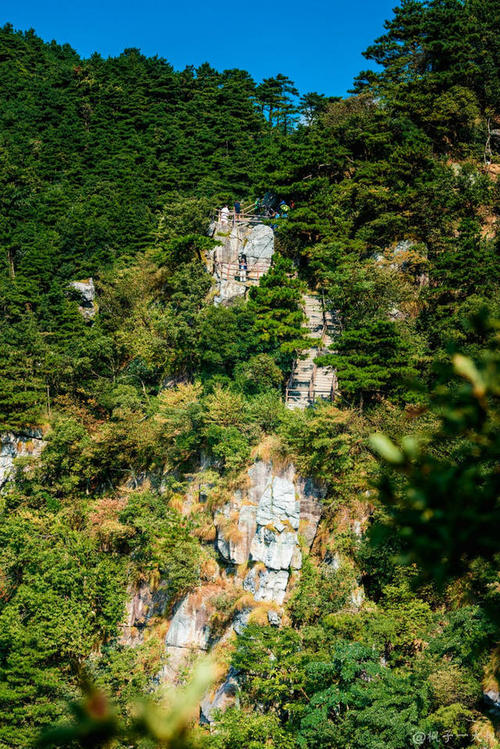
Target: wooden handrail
(241, 217)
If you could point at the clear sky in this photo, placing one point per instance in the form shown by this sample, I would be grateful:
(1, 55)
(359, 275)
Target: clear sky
(318, 43)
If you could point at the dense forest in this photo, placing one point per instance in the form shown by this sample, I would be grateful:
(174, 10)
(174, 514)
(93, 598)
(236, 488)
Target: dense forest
(112, 169)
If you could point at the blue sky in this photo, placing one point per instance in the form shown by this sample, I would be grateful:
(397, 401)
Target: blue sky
(315, 42)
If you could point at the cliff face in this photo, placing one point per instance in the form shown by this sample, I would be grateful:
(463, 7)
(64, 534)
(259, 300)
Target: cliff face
(84, 291)
(260, 537)
(270, 524)
(246, 238)
(18, 445)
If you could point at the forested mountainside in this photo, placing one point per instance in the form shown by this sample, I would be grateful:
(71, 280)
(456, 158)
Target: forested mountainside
(145, 429)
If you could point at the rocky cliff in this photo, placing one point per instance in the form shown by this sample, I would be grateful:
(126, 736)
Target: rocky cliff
(261, 534)
(26, 444)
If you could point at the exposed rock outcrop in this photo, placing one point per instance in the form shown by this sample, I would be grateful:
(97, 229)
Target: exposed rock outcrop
(225, 695)
(261, 535)
(228, 290)
(85, 291)
(267, 585)
(12, 446)
(268, 524)
(259, 246)
(143, 605)
(189, 630)
(254, 241)
(236, 548)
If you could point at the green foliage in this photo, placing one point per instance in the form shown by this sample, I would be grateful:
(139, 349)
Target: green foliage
(447, 501)
(112, 169)
(278, 316)
(249, 729)
(62, 597)
(95, 722)
(373, 361)
(161, 544)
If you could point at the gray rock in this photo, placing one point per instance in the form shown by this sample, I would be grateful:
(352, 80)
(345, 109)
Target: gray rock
(357, 597)
(278, 505)
(142, 606)
(270, 515)
(228, 291)
(274, 618)
(311, 496)
(225, 695)
(278, 517)
(240, 621)
(236, 551)
(404, 246)
(259, 245)
(332, 561)
(492, 700)
(189, 626)
(260, 474)
(275, 550)
(296, 561)
(86, 293)
(12, 446)
(267, 585)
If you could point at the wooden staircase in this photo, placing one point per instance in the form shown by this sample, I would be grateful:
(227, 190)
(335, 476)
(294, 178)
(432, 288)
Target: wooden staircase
(308, 382)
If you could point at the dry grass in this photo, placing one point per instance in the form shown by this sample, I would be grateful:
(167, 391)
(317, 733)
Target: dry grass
(177, 502)
(241, 570)
(222, 653)
(483, 732)
(259, 614)
(206, 531)
(234, 535)
(154, 579)
(322, 540)
(209, 569)
(246, 601)
(159, 629)
(228, 527)
(490, 680)
(271, 450)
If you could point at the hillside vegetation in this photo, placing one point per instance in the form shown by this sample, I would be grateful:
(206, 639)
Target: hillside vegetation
(112, 169)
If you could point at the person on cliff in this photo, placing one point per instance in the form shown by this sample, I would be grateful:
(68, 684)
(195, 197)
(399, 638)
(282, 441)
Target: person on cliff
(237, 210)
(243, 268)
(224, 215)
(284, 209)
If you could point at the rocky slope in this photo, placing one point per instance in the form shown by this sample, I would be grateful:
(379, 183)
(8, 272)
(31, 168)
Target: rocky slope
(261, 534)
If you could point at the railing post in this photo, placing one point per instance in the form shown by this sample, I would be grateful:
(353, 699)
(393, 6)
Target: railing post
(311, 393)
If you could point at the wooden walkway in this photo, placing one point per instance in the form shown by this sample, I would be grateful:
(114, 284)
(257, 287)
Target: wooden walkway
(309, 383)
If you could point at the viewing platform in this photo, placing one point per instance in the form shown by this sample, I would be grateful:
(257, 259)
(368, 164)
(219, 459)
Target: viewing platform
(243, 255)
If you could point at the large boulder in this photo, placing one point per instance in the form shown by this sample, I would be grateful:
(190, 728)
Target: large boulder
(189, 631)
(268, 524)
(259, 245)
(275, 550)
(228, 291)
(189, 625)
